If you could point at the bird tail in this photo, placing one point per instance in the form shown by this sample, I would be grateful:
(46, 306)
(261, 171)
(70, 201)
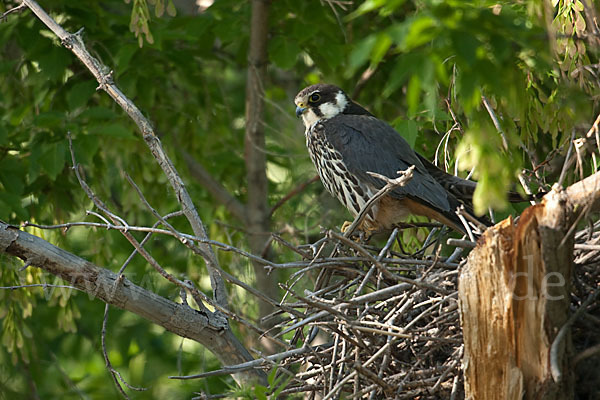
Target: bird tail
(463, 189)
(465, 207)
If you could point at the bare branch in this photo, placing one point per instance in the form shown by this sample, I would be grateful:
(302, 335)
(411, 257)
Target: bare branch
(16, 9)
(586, 193)
(259, 362)
(298, 189)
(115, 375)
(492, 114)
(391, 184)
(554, 349)
(103, 75)
(40, 285)
(227, 348)
(205, 328)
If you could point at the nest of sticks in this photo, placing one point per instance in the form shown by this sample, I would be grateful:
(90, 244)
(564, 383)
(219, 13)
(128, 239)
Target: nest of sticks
(383, 324)
(378, 324)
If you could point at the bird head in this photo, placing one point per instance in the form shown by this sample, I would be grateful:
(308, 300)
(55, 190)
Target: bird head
(320, 102)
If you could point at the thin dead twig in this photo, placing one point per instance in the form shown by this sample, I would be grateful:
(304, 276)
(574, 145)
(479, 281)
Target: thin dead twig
(390, 184)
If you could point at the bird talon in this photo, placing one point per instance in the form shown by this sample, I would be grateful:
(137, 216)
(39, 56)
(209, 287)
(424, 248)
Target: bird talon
(345, 226)
(360, 234)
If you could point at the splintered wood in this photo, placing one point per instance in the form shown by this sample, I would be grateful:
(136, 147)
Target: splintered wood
(514, 296)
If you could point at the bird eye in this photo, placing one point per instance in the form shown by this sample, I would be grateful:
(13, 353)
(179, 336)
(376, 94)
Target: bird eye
(315, 97)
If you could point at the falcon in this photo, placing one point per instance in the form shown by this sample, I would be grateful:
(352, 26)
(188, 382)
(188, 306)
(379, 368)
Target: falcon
(345, 142)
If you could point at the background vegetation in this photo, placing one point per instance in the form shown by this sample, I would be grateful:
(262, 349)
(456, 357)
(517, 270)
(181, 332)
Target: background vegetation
(422, 65)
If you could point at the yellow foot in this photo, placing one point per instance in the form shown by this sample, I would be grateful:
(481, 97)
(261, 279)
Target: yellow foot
(345, 226)
(361, 233)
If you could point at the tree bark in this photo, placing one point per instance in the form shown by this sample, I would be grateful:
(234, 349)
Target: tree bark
(257, 207)
(514, 296)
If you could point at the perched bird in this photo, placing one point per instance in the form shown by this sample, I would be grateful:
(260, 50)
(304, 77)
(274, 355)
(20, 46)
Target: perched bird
(345, 141)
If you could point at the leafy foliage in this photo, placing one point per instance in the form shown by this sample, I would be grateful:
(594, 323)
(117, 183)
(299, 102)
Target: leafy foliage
(422, 65)
(463, 50)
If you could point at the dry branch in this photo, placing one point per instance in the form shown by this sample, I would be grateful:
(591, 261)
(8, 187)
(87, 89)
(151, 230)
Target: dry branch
(228, 349)
(209, 329)
(103, 75)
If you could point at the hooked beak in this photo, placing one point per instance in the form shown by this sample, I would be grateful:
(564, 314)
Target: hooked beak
(300, 111)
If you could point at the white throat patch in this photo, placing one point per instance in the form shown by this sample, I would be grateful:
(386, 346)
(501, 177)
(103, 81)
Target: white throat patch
(309, 118)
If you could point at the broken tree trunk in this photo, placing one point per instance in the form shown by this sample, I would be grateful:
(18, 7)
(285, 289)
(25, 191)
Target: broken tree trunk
(514, 296)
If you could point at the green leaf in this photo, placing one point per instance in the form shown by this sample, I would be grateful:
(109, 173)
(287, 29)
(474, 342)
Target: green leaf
(86, 147)
(3, 136)
(159, 9)
(123, 57)
(50, 119)
(54, 63)
(334, 56)
(53, 159)
(80, 93)
(408, 129)
(115, 130)
(466, 45)
(381, 47)
(18, 114)
(413, 93)
(260, 392)
(12, 175)
(98, 113)
(422, 30)
(283, 52)
(405, 66)
(490, 192)
(366, 7)
(361, 53)
(171, 10)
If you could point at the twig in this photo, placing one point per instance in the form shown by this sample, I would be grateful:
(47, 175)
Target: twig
(382, 268)
(461, 217)
(592, 137)
(590, 351)
(42, 285)
(103, 75)
(390, 185)
(461, 243)
(469, 217)
(298, 189)
(370, 375)
(339, 385)
(382, 253)
(496, 122)
(16, 9)
(554, 367)
(116, 375)
(563, 172)
(247, 365)
(118, 220)
(492, 114)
